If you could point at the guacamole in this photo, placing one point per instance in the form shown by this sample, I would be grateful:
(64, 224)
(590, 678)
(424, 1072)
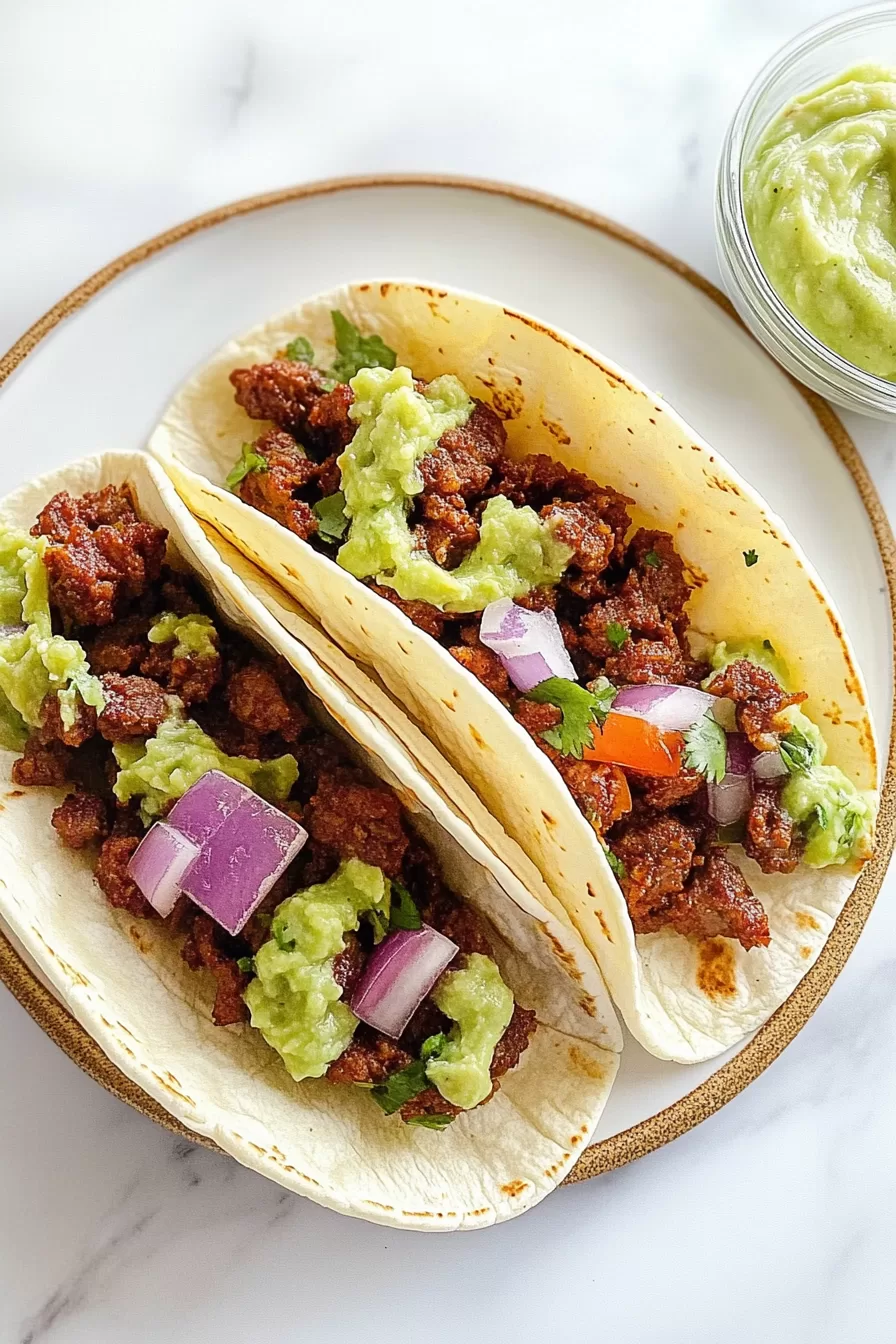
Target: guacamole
(194, 635)
(397, 426)
(481, 1006)
(820, 200)
(836, 819)
(161, 769)
(34, 661)
(295, 1001)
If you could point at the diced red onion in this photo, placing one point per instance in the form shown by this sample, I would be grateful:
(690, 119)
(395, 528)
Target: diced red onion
(159, 865)
(729, 801)
(16, 628)
(529, 643)
(769, 765)
(399, 975)
(672, 709)
(206, 805)
(244, 852)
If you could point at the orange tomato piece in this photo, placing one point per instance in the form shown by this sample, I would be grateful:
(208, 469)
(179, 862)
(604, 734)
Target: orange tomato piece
(636, 744)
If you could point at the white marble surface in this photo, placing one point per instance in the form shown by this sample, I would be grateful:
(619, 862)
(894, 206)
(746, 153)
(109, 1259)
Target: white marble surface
(774, 1219)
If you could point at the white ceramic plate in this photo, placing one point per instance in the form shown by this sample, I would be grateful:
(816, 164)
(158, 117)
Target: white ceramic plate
(99, 379)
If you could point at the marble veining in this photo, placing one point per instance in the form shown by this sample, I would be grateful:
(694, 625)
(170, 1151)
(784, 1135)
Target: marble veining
(773, 1220)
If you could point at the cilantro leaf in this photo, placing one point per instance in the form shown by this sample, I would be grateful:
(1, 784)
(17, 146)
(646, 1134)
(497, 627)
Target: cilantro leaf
(403, 912)
(706, 748)
(246, 965)
(356, 351)
(431, 1121)
(750, 558)
(580, 708)
(653, 560)
(617, 634)
(301, 350)
(400, 1087)
(616, 864)
(248, 462)
(820, 816)
(433, 1046)
(330, 515)
(798, 750)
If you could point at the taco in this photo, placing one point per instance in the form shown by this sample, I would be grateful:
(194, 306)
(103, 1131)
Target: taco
(594, 618)
(245, 889)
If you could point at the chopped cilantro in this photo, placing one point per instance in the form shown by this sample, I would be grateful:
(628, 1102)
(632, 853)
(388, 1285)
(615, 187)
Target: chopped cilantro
(408, 1082)
(750, 558)
(403, 912)
(579, 707)
(330, 515)
(248, 462)
(379, 923)
(617, 634)
(357, 351)
(616, 864)
(431, 1121)
(706, 748)
(246, 965)
(653, 560)
(284, 944)
(798, 750)
(301, 350)
(820, 815)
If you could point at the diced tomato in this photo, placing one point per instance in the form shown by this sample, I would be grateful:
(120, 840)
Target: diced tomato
(636, 744)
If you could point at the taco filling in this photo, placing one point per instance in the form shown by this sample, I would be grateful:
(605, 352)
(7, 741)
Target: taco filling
(209, 797)
(533, 577)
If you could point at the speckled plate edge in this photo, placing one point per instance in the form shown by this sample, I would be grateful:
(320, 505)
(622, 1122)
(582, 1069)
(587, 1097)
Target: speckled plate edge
(795, 1012)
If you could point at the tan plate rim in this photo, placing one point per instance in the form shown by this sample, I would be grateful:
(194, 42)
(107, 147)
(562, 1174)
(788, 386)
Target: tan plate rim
(793, 1014)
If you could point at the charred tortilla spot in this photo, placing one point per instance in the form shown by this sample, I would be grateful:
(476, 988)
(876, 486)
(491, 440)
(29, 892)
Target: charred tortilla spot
(480, 742)
(549, 820)
(514, 1188)
(592, 1068)
(716, 969)
(805, 953)
(805, 920)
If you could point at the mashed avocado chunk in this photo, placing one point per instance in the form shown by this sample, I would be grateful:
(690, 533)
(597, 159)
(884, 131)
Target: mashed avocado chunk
(481, 1006)
(837, 820)
(161, 769)
(820, 201)
(194, 635)
(34, 661)
(295, 1001)
(397, 427)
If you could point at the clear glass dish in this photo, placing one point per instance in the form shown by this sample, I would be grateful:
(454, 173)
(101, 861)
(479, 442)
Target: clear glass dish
(860, 35)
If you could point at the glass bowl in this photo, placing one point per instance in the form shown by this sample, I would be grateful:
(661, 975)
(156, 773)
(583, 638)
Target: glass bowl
(858, 36)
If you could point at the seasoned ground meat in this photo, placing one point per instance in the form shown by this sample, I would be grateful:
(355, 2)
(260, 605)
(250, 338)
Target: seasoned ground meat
(514, 1041)
(135, 706)
(772, 839)
(485, 665)
(275, 491)
(111, 505)
(369, 1058)
(284, 392)
(119, 647)
(93, 572)
(45, 764)
(460, 923)
(642, 661)
(759, 699)
(448, 530)
(348, 965)
(177, 596)
(52, 728)
(257, 700)
(429, 618)
(662, 793)
(194, 678)
(112, 875)
(358, 821)
(718, 903)
(592, 541)
(463, 460)
(657, 855)
(80, 820)
(660, 572)
(330, 427)
(428, 1102)
(201, 949)
(600, 791)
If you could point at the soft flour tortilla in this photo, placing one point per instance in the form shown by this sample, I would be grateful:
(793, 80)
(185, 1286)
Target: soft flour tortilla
(124, 980)
(683, 999)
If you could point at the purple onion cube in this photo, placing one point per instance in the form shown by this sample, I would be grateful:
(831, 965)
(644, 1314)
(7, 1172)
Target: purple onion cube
(240, 862)
(159, 865)
(206, 805)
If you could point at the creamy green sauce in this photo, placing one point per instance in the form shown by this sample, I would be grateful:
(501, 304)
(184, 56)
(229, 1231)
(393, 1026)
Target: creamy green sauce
(194, 635)
(397, 427)
(34, 661)
(480, 1004)
(836, 818)
(160, 769)
(820, 200)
